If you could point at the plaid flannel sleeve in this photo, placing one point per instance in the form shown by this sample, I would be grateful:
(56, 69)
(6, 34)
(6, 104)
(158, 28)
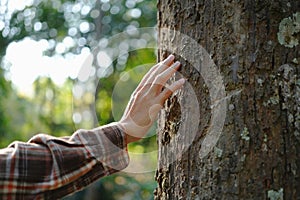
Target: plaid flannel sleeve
(48, 167)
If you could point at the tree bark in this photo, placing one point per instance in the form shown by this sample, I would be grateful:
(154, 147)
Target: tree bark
(256, 155)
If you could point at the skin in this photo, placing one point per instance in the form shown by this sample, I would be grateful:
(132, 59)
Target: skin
(148, 99)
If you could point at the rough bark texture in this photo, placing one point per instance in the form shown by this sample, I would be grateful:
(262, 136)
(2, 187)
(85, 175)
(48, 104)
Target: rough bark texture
(258, 153)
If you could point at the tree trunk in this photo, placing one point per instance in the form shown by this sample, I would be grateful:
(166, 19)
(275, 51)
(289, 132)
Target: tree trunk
(233, 132)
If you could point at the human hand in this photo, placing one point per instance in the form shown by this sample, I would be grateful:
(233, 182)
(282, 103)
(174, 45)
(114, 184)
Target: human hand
(148, 99)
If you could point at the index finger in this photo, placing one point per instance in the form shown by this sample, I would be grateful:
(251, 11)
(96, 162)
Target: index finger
(156, 69)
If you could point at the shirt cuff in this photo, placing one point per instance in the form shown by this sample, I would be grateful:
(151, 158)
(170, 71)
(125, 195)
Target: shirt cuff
(107, 144)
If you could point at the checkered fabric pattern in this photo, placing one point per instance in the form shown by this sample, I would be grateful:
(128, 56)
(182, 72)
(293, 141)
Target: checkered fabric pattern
(48, 167)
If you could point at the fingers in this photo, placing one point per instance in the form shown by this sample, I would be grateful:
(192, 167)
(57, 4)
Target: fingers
(148, 99)
(158, 79)
(156, 69)
(162, 78)
(164, 64)
(149, 78)
(168, 91)
(154, 81)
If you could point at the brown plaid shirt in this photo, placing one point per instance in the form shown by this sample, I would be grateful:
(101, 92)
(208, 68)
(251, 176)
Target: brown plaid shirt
(48, 167)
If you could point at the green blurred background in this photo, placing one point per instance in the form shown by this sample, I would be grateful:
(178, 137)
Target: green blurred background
(68, 28)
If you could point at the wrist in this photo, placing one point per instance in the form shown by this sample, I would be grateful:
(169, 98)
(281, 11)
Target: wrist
(129, 138)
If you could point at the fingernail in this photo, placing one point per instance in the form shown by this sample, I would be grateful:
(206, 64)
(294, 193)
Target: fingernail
(176, 63)
(182, 81)
(171, 56)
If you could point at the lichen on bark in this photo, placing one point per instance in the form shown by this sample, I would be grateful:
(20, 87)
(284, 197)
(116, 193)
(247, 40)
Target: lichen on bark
(258, 152)
(289, 31)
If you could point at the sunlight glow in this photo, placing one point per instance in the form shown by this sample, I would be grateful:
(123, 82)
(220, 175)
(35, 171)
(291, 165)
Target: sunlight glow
(18, 4)
(27, 62)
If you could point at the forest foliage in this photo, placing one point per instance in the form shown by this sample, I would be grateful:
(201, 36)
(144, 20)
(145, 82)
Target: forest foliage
(70, 27)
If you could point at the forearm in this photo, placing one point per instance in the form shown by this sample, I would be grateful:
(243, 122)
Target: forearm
(54, 166)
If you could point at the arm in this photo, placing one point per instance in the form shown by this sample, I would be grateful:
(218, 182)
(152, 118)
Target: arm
(47, 167)
(50, 167)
